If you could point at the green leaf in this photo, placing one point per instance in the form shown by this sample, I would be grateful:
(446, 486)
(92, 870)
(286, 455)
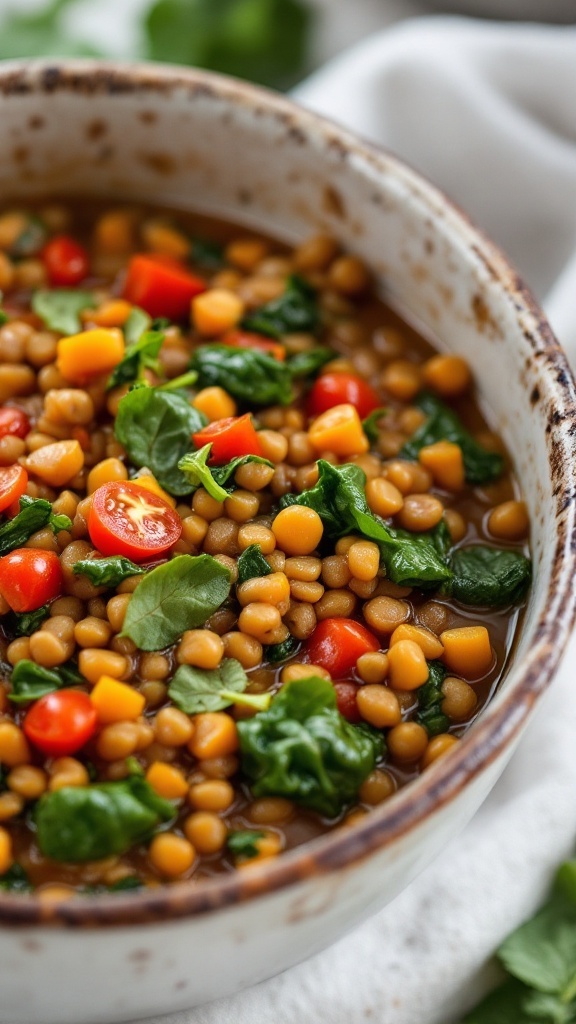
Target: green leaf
(250, 376)
(339, 498)
(35, 513)
(548, 1008)
(59, 522)
(302, 748)
(3, 316)
(276, 653)
(252, 564)
(107, 572)
(542, 952)
(41, 33)
(30, 681)
(59, 308)
(244, 843)
(503, 1006)
(174, 597)
(137, 324)
(430, 697)
(138, 356)
(295, 310)
(222, 475)
(489, 577)
(565, 881)
(197, 689)
(29, 622)
(207, 254)
(307, 364)
(156, 428)
(370, 424)
(480, 465)
(82, 823)
(261, 40)
(15, 880)
(31, 239)
(195, 468)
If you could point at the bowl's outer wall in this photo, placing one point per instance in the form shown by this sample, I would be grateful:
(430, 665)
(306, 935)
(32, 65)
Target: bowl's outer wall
(199, 142)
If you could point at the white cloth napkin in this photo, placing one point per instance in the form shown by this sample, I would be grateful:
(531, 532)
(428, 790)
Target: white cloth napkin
(489, 113)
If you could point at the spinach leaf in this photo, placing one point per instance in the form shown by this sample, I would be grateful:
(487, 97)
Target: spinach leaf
(107, 572)
(370, 424)
(80, 823)
(281, 652)
(430, 698)
(137, 324)
(207, 254)
(30, 240)
(302, 748)
(59, 308)
(252, 564)
(34, 514)
(244, 843)
(480, 465)
(198, 689)
(295, 310)
(339, 497)
(261, 40)
(156, 427)
(306, 364)
(30, 681)
(213, 479)
(179, 595)
(41, 32)
(503, 1006)
(29, 622)
(140, 355)
(489, 577)
(248, 375)
(15, 880)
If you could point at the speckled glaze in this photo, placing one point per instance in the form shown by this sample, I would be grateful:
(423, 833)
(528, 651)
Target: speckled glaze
(218, 146)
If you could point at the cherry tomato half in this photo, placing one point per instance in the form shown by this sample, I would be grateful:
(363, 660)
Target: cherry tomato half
(161, 286)
(250, 339)
(13, 422)
(61, 722)
(66, 261)
(346, 701)
(30, 578)
(342, 389)
(229, 438)
(13, 483)
(126, 519)
(336, 645)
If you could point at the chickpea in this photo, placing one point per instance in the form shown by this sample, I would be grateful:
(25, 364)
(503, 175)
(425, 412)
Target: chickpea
(200, 647)
(244, 648)
(384, 614)
(172, 727)
(260, 621)
(215, 795)
(298, 530)
(377, 787)
(420, 512)
(407, 742)
(171, 855)
(509, 521)
(438, 747)
(378, 706)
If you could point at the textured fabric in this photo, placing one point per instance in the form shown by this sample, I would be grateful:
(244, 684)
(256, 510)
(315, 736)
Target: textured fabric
(488, 113)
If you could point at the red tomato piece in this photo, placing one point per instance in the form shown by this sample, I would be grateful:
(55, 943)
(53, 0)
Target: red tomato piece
(66, 261)
(250, 339)
(346, 701)
(336, 645)
(126, 519)
(61, 722)
(13, 483)
(13, 422)
(30, 578)
(229, 438)
(161, 286)
(342, 389)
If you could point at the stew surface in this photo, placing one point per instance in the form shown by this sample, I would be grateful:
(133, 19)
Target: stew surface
(262, 560)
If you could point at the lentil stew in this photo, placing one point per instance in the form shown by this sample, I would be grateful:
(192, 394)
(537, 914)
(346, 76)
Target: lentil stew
(261, 559)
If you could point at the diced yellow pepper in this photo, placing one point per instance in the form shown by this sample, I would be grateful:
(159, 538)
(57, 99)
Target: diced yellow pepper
(115, 701)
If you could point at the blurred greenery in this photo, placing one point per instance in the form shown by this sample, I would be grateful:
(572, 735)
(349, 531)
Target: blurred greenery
(264, 41)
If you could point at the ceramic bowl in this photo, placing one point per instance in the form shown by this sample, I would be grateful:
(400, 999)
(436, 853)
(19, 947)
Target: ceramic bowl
(215, 145)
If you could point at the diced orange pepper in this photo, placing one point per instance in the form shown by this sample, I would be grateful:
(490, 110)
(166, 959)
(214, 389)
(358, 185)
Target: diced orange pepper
(167, 780)
(339, 430)
(115, 701)
(425, 638)
(467, 651)
(445, 462)
(110, 314)
(89, 354)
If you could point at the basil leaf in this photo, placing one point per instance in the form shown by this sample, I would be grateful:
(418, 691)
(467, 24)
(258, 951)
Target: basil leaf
(244, 843)
(339, 498)
(196, 689)
(139, 356)
(306, 364)
(281, 652)
(248, 375)
(15, 880)
(81, 823)
(252, 564)
(59, 308)
(29, 622)
(295, 310)
(489, 577)
(480, 465)
(370, 424)
(155, 428)
(107, 572)
(302, 748)
(213, 478)
(542, 952)
(30, 681)
(34, 514)
(137, 324)
(174, 597)
(503, 1006)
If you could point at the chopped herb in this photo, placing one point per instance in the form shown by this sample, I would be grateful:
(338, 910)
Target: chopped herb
(252, 564)
(139, 356)
(107, 572)
(60, 308)
(196, 689)
(370, 424)
(34, 514)
(244, 843)
(307, 364)
(207, 255)
(30, 681)
(246, 374)
(30, 240)
(295, 310)
(15, 880)
(214, 478)
(29, 622)
(281, 652)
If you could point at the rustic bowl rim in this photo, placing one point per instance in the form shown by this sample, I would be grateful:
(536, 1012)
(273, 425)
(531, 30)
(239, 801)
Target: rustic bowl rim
(496, 727)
